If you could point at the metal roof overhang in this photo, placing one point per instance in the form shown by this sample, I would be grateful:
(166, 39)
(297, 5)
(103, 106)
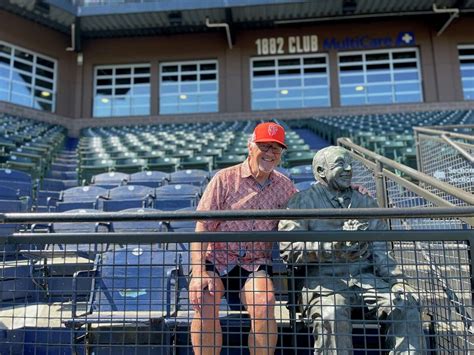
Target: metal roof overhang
(112, 18)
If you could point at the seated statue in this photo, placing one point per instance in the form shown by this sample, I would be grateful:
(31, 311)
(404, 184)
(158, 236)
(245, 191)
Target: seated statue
(335, 277)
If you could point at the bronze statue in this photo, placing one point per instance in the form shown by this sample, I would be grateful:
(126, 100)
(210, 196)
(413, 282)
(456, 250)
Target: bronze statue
(335, 277)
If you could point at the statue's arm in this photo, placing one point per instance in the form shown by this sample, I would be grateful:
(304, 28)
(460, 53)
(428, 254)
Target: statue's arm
(297, 252)
(386, 265)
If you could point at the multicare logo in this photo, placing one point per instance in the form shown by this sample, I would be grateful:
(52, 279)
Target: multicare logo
(404, 38)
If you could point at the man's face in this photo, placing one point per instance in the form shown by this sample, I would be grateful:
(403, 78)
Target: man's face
(338, 170)
(264, 156)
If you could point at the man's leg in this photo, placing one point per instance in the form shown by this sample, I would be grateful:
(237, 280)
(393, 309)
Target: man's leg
(206, 332)
(258, 297)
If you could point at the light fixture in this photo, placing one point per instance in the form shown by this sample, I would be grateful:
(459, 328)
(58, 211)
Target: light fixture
(284, 92)
(359, 88)
(45, 93)
(104, 100)
(183, 96)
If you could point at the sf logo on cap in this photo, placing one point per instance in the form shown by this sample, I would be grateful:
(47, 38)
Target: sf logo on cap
(272, 130)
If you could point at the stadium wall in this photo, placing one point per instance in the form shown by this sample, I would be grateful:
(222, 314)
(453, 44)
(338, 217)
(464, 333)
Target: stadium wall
(438, 58)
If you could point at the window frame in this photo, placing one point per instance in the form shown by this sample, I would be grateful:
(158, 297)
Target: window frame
(466, 90)
(276, 67)
(32, 86)
(365, 96)
(161, 84)
(113, 86)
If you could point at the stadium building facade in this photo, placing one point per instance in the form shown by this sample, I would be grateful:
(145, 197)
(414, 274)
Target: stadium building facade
(92, 64)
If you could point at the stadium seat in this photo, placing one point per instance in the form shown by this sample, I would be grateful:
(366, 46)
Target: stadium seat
(298, 158)
(173, 197)
(301, 173)
(166, 164)
(110, 180)
(228, 160)
(132, 285)
(81, 197)
(149, 178)
(190, 176)
(128, 196)
(197, 162)
(304, 185)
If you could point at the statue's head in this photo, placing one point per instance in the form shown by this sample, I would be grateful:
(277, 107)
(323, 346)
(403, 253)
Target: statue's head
(332, 166)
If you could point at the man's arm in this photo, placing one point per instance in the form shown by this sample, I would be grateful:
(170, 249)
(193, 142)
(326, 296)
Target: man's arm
(198, 252)
(200, 279)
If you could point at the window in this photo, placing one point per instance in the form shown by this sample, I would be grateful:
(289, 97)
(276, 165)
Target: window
(290, 82)
(27, 78)
(188, 87)
(380, 77)
(466, 60)
(122, 90)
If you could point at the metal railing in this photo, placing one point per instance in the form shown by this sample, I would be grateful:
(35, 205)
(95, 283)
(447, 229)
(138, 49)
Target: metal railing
(447, 155)
(120, 293)
(397, 186)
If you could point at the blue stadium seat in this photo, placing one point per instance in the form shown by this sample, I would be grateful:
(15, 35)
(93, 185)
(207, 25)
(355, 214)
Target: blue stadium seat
(302, 173)
(131, 286)
(110, 180)
(10, 202)
(138, 225)
(149, 178)
(79, 198)
(128, 196)
(84, 250)
(173, 197)
(17, 180)
(191, 176)
(304, 185)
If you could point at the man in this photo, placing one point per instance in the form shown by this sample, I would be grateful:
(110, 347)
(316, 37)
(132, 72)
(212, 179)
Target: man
(336, 276)
(241, 271)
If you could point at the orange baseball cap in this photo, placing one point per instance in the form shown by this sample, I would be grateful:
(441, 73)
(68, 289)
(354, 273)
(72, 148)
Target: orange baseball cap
(269, 132)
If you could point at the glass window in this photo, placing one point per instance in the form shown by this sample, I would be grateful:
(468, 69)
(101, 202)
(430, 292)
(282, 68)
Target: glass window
(27, 78)
(189, 87)
(290, 82)
(380, 77)
(122, 90)
(466, 60)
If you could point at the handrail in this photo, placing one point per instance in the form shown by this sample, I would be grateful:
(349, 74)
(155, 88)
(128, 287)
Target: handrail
(418, 175)
(327, 213)
(178, 237)
(456, 146)
(446, 133)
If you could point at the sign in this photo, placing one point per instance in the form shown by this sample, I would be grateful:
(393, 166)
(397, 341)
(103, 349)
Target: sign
(290, 45)
(455, 175)
(367, 42)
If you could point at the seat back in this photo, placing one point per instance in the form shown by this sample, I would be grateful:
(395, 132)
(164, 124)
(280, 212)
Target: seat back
(149, 178)
(190, 176)
(110, 179)
(173, 197)
(139, 278)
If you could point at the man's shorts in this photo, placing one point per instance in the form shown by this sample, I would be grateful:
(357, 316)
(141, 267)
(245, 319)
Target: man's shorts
(234, 281)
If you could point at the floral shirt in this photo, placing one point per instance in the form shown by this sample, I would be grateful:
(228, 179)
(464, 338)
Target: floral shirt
(235, 188)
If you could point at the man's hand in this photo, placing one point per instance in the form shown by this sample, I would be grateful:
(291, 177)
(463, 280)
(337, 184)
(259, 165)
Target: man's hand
(362, 189)
(200, 282)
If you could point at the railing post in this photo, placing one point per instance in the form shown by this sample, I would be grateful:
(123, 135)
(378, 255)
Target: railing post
(380, 187)
(417, 142)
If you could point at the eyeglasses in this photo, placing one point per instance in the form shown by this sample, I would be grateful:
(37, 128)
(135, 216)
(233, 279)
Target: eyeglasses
(266, 147)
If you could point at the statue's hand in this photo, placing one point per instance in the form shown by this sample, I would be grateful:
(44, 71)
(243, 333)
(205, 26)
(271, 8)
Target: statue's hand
(355, 225)
(404, 291)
